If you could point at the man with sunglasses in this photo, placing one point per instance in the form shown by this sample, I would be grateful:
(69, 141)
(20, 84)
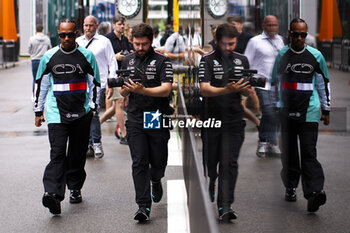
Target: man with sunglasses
(147, 97)
(222, 101)
(68, 78)
(294, 75)
(261, 52)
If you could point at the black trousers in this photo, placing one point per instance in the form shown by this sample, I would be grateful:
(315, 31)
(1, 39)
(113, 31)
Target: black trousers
(149, 153)
(66, 166)
(222, 147)
(306, 165)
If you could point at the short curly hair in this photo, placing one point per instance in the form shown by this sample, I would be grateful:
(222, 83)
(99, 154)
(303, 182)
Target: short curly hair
(142, 30)
(226, 30)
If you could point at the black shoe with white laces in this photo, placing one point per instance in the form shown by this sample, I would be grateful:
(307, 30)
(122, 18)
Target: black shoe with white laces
(142, 214)
(53, 202)
(157, 191)
(226, 214)
(75, 197)
(291, 194)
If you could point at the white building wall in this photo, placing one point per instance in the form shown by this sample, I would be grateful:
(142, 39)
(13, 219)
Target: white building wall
(308, 12)
(27, 24)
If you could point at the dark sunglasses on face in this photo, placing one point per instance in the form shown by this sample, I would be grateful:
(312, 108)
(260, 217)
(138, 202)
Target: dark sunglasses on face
(69, 34)
(297, 34)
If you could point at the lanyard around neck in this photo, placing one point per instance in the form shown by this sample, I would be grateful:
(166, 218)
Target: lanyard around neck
(139, 69)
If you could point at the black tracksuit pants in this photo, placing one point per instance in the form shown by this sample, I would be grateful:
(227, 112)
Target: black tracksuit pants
(306, 165)
(149, 153)
(222, 147)
(66, 166)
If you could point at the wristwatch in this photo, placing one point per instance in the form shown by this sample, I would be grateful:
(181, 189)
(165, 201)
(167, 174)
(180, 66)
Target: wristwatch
(128, 8)
(216, 8)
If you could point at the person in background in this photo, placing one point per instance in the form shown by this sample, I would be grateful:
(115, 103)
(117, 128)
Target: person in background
(244, 37)
(212, 42)
(175, 48)
(102, 48)
(261, 52)
(156, 37)
(104, 28)
(127, 33)
(37, 47)
(121, 47)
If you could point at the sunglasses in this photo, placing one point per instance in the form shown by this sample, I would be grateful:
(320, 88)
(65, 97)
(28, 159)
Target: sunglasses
(63, 35)
(297, 34)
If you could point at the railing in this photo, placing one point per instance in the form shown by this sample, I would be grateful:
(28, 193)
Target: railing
(7, 53)
(201, 214)
(336, 53)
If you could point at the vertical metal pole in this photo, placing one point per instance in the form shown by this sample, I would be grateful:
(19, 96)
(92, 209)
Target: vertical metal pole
(258, 15)
(170, 12)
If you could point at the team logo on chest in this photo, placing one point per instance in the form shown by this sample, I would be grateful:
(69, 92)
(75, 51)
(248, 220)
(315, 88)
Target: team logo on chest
(66, 69)
(237, 61)
(300, 68)
(218, 71)
(132, 62)
(151, 70)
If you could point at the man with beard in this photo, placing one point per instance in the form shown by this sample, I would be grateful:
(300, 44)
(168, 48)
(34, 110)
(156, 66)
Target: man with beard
(148, 97)
(222, 101)
(294, 75)
(68, 75)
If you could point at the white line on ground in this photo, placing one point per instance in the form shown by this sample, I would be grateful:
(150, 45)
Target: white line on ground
(174, 150)
(178, 221)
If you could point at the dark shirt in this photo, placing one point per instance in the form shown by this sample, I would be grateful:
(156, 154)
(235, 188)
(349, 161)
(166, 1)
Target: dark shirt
(212, 43)
(242, 42)
(153, 69)
(119, 45)
(214, 68)
(68, 75)
(294, 72)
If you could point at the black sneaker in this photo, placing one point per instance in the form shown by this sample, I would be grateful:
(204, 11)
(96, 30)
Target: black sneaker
(52, 202)
(226, 214)
(212, 193)
(316, 200)
(291, 194)
(142, 215)
(123, 141)
(90, 152)
(75, 197)
(157, 191)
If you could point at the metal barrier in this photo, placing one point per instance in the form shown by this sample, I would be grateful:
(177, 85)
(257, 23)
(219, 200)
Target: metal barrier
(345, 55)
(9, 52)
(336, 54)
(326, 49)
(201, 214)
(2, 53)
